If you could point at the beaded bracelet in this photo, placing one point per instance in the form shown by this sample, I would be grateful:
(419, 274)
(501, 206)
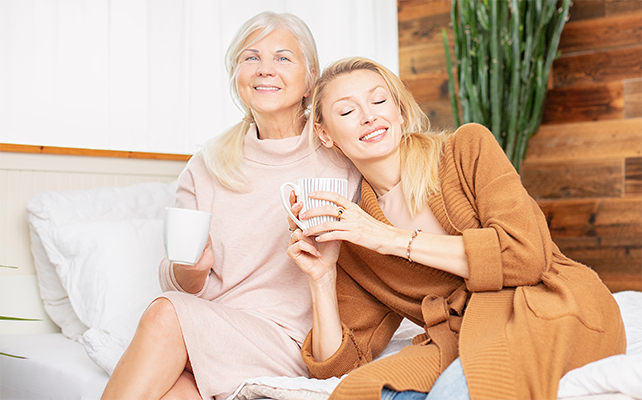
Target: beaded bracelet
(414, 235)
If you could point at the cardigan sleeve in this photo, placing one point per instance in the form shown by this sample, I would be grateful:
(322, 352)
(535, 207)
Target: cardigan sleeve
(513, 245)
(368, 326)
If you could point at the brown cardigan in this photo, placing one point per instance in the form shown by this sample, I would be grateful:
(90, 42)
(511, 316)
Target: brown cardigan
(526, 316)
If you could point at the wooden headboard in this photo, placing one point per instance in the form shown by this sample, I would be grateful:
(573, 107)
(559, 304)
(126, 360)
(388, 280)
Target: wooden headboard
(26, 170)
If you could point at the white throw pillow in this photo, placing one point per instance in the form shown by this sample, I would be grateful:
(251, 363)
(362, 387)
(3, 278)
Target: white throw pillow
(110, 272)
(51, 209)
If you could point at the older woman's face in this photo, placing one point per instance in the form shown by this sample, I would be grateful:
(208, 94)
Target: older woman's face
(360, 117)
(272, 74)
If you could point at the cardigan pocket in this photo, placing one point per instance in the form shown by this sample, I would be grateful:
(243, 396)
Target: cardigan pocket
(568, 292)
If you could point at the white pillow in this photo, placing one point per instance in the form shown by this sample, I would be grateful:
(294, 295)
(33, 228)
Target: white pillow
(110, 272)
(59, 208)
(616, 374)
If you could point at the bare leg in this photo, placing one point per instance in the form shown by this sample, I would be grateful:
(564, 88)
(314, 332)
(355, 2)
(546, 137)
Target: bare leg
(184, 389)
(155, 359)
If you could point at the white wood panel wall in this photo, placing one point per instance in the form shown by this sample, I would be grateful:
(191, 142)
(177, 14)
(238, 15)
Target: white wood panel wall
(24, 174)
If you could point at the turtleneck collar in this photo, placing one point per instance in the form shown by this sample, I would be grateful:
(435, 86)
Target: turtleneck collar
(276, 151)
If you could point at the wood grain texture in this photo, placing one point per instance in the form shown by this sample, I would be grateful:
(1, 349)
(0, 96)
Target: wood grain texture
(580, 179)
(632, 89)
(587, 9)
(614, 7)
(423, 58)
(423, 29)
(22, 148)
(585, 103)
(610, 219)
(608, 257)
(412, 9)
(586, 140)
(633, 176)
(598, 66)
(428, 87)
(600, 33)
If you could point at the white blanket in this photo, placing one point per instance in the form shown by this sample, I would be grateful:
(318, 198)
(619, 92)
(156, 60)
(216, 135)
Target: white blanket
(617, 377)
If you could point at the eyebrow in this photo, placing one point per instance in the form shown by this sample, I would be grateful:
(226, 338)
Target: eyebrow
(278, 51)
(349, 97)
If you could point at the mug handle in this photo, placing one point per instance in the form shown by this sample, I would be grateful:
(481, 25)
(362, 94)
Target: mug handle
(286, 203)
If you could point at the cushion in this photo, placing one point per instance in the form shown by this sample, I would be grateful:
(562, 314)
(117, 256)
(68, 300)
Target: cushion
(97, 253)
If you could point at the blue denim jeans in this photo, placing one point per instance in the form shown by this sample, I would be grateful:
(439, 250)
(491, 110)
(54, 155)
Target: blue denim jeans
(450, 385)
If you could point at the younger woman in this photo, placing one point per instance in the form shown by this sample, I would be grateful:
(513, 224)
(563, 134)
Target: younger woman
(446, 236)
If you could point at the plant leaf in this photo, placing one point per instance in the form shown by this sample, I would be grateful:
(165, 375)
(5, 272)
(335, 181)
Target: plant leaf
(3, 318)
(11, 355)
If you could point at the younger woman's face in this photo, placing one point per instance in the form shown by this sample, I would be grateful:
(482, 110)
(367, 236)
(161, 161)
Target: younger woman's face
(360, 117)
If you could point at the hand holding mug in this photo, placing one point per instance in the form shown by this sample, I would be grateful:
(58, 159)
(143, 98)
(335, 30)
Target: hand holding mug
(302, 190)
(185, 235)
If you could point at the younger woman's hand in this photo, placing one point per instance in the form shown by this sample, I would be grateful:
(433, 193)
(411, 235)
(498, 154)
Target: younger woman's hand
(354, 224)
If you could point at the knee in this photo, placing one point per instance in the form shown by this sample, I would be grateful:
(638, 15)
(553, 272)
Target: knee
(160, 316)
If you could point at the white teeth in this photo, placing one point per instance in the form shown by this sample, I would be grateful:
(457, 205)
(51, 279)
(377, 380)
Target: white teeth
(373, 134)
(266, 88)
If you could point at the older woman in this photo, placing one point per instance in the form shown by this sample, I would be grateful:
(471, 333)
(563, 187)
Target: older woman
(446, 236)
(243, 310)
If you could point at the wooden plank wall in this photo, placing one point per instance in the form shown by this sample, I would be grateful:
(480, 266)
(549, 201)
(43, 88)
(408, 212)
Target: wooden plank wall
(584, 166)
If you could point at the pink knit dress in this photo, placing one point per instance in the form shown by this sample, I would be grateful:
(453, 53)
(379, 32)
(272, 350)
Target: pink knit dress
(254, 311)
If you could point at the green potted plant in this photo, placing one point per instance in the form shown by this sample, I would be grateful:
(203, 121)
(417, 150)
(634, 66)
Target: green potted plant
(504, 50)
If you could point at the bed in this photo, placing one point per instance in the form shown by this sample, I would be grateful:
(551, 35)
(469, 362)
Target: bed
(63, 217)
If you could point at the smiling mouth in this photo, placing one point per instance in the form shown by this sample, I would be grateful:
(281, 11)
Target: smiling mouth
(373, 134)
(267, 88)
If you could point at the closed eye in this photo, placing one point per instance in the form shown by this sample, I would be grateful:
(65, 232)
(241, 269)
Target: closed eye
(380, 101)
(346, 113)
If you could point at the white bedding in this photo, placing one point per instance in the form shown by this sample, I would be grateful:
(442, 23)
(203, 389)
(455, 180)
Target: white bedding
(614, 378)
(56, 368)
(74, 234)
(59, 368)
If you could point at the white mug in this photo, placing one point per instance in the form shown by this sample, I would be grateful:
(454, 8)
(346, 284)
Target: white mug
(185, 233)
(305, 186)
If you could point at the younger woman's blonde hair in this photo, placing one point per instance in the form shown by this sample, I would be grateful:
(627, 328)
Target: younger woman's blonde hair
(223, 154)
(420, 148)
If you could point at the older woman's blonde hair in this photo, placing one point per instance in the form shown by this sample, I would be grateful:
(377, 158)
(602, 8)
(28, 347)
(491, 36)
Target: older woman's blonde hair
(223, 154)
(420, 148)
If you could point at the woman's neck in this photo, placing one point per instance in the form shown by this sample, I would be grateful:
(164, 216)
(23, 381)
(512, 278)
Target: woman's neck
(279, 126)
(382, 175)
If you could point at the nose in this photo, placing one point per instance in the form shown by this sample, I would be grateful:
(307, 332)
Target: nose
(266, 68)
(368, 117)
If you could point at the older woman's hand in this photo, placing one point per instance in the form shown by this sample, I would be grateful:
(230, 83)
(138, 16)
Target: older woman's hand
(192, 277)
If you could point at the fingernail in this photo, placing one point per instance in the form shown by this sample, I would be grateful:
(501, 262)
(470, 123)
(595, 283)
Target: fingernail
(312, 194)
(302, 215)
(318, 254)
(305, 232)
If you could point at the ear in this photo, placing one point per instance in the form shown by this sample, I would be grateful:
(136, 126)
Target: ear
(323, 135)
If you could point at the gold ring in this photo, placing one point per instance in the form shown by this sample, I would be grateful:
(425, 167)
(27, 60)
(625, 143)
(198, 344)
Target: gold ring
(340, 212)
